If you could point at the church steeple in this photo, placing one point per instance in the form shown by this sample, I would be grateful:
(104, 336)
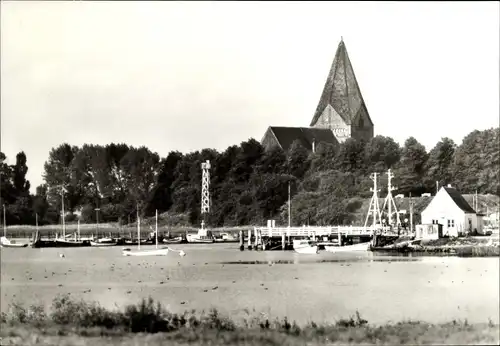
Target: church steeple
(341, 93)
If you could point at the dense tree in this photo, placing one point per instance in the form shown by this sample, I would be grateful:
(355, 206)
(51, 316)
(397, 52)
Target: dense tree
(439, 164)
(476, 162)
(381, 153)
(351, 158)
(298, 160)
(247, 184)
(410, 171)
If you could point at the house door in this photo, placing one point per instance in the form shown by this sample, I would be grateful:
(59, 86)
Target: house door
(440, 230)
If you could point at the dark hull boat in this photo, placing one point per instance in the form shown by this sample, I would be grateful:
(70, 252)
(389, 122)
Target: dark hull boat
(47, 243)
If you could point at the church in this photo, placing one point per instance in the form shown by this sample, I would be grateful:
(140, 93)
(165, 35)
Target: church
(341, 112)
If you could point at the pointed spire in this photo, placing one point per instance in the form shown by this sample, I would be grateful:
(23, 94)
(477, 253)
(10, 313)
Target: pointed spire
(341, 90)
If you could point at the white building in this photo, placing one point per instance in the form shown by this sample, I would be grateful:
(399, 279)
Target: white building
(451, 212)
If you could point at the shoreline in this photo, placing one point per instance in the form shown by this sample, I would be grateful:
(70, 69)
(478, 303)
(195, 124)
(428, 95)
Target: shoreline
(487, 246)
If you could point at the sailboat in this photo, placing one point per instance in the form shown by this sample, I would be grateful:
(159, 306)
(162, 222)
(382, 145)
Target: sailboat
(156, 252)
(4, 241)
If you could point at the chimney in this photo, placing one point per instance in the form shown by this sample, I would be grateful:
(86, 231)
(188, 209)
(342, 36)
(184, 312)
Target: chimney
(314, 145)
(449, 185)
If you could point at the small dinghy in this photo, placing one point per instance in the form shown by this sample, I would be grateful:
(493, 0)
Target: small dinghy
(305, 247)
(153, 252)
(4, 242)
(349, 248)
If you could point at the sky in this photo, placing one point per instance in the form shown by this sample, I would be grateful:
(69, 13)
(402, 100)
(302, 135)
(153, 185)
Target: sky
(192, 75)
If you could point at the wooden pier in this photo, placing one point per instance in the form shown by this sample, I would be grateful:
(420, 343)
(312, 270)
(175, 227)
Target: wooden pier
(271, 238)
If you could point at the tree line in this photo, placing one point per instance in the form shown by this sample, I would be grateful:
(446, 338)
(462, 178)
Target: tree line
(248, 185)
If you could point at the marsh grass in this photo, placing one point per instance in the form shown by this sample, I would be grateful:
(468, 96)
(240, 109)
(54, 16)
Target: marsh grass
(79, 322)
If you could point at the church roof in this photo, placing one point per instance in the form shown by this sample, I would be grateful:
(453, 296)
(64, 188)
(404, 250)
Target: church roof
(459, 200)
(306, 135)
(341, 89)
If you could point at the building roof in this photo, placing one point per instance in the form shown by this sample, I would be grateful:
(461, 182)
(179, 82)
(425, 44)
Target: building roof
(459, 200)
(341, 90)
(306, 135)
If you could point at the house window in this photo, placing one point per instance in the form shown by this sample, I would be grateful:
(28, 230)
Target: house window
(451, 223)
(434, 222)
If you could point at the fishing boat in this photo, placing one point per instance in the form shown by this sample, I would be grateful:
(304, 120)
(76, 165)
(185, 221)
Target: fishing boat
(155, 252)
(4, 241)
(349, 248)
(304, 246)
(203, 236)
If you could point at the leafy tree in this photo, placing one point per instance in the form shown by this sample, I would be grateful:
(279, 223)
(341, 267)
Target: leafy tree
(411, 169)
(58, 171)
(381, 153)
(350, 157)
(439, 164)
(161, 196)
(323, 159)
(140, 168)
(298, 161)
(476, 162)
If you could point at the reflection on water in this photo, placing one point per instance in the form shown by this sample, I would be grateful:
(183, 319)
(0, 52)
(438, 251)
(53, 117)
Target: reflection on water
(321, 287)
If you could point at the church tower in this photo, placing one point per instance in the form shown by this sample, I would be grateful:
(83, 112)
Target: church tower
(341, 107)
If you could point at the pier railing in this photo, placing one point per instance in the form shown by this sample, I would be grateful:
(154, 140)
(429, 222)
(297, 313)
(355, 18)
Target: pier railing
(318, 231)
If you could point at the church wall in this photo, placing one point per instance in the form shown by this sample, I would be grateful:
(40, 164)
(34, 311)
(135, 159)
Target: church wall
(269, 140)
(330, 119)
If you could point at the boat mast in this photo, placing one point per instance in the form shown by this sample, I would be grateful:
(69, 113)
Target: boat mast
(138, 229)
(389, 200)
(374, 208)
(63, 224)
(4, 223)
(156, 228)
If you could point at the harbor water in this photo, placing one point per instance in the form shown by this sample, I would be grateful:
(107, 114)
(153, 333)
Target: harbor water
(320, 288)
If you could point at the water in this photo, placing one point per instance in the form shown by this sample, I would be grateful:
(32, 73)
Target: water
(321, 287)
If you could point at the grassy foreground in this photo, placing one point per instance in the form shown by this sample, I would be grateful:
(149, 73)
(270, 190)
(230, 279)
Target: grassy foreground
(71, 322)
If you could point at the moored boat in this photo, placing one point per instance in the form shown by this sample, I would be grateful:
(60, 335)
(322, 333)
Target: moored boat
(152, 252)
(4, 242)
(348, 248)
(304, 246)
(203, 236)
(103, 242)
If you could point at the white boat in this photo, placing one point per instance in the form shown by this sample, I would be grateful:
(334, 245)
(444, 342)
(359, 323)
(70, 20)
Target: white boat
(4, 242)
(103, 242)
(304, 246)
(203, 236)
(154, 252)
(349, 248)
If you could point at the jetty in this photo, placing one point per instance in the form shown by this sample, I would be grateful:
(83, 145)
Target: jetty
(380, 231)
